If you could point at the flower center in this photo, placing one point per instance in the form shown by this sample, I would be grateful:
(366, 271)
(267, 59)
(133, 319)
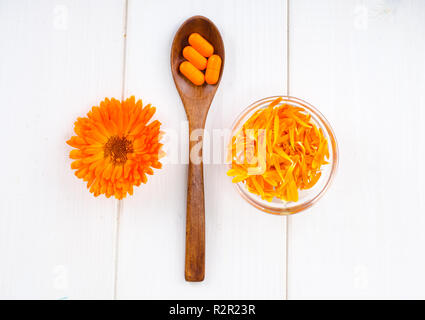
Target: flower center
(117, 149)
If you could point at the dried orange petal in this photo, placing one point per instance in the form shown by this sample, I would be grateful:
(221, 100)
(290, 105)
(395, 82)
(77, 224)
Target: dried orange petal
(295, 149)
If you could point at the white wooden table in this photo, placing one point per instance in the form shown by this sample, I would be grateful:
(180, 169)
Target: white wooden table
(362, 63)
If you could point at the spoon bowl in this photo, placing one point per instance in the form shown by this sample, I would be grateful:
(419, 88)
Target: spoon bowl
(196, 101)
(207, 29)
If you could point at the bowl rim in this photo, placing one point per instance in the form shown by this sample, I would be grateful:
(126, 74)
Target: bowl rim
(335, 155)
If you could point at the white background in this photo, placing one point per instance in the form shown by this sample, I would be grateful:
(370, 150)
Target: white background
(362, 63)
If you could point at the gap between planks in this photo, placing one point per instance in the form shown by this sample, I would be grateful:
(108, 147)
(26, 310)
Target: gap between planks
(120, 202)
(288, 94)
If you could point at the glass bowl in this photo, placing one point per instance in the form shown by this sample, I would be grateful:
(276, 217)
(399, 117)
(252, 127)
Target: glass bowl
(306, 197)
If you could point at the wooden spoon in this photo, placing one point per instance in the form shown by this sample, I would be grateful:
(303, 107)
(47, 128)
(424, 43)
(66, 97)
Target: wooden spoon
(196, 101)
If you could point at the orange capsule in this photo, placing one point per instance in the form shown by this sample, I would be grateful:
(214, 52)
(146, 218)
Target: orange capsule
(201, 45)
(193, 74)
(195, 57)
(213, 69)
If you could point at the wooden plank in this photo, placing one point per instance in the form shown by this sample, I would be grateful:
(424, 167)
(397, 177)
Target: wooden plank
(362, 64)
(57, 59)
(245, 249)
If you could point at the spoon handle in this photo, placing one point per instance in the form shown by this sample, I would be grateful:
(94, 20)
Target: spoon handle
(195, 216)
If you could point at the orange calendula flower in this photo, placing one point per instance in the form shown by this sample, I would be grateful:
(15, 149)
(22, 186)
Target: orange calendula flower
(116, 147)
(277, 152)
